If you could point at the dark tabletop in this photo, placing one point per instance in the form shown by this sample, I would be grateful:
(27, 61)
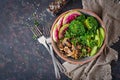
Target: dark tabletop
(21, 56)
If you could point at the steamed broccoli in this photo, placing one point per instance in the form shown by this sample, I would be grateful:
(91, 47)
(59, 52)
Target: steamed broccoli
(91, 23)
(81, 18)
(83, 31)
(75, 28)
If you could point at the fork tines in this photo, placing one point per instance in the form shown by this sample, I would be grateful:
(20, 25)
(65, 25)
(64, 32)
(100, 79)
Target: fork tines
(36, 31)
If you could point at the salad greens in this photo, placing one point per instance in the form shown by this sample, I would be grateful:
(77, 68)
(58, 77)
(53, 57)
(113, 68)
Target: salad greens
(91, 23)
(76, 28)
(85, 30)
(81, 18)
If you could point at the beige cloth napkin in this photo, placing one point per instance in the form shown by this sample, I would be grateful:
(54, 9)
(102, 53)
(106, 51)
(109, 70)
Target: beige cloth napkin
(100, 68)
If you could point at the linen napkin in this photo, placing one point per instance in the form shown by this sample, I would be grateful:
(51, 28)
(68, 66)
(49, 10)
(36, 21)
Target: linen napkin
(100, 68)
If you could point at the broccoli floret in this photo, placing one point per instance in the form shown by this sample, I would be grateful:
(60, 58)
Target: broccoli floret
(82, 33)
(77, 28)
(81, 18)
(91, 23)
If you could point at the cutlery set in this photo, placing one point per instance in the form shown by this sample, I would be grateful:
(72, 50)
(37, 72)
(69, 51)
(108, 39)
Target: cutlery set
(46, 42)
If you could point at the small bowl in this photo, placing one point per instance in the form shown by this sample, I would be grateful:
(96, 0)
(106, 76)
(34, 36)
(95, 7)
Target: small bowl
(87, 59)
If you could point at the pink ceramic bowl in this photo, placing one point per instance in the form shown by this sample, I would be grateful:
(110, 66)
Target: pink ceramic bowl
(84, 60)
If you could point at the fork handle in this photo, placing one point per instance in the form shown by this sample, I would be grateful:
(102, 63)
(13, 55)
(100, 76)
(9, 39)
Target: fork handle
(58, 67)
(48, 40)
(57, 73)
(49, 48)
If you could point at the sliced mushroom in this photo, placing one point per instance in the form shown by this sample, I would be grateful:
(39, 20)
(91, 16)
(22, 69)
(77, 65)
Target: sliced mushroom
(62, 52)
(73, 56)
(73, 47)
(76, 54)
(61, 47)
(70, 54)
(78, 46)
(67, 50)
(66, 42)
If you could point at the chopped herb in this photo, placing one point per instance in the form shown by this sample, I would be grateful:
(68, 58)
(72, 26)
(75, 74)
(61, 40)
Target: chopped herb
(34, 37)
(36, 23)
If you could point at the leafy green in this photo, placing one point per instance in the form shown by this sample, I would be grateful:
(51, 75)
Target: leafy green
(81, 18)
(84, 50)
(91, 23)
(85, 30)
(74, 41)
(92, 43)
(75, 30)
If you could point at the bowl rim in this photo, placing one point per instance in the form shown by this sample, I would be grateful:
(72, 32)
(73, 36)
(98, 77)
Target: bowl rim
(99, 51)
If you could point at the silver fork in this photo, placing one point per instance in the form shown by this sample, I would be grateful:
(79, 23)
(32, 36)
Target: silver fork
(58, 67)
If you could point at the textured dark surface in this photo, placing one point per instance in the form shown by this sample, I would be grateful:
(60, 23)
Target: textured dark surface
(22, 57)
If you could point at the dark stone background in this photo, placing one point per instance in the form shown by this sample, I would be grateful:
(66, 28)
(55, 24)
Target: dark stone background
(21, 56)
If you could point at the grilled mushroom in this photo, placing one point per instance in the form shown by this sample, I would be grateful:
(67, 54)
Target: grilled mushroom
(61, 47)
(67, 50)
(73, 47)
(70, 54)
(76, 54)
(78, 46)
(66, 42)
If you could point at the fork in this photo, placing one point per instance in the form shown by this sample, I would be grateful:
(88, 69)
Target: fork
(58, 67)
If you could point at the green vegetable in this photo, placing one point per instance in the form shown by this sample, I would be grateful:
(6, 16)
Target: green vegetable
(74, 41)
(67, 34)
(97, 38)
(94, 50)
(83, 39)
(84, 53)
(102, 32)
(85, 30)
(92, 43)
(102, 36)
(84, 50)
(91, 23)
(88, 39)
(81, 18)
(77, 28)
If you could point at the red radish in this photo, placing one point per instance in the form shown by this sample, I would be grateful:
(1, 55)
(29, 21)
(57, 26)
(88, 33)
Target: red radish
(60, 22)
(59, 29)
(70, 16)
(55, 33)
